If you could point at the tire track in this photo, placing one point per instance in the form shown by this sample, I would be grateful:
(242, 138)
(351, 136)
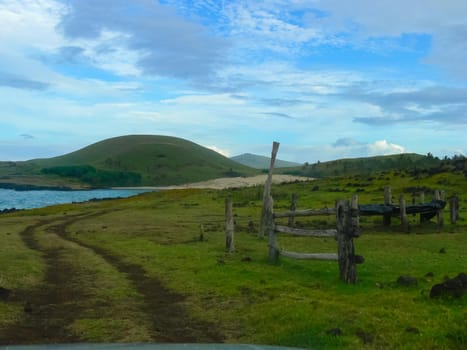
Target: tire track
(170, 322)
(52, 306)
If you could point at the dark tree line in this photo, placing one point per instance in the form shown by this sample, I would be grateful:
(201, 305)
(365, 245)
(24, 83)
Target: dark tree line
(96, 177)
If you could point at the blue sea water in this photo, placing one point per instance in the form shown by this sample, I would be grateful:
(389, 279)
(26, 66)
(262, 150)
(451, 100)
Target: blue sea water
(37, 199)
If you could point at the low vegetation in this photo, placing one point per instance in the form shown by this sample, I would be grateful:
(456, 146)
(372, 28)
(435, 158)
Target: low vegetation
(415, 163)
(95, 177)
(120, 256)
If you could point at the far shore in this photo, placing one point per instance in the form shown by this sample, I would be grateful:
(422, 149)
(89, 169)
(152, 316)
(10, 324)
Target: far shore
(226, 182)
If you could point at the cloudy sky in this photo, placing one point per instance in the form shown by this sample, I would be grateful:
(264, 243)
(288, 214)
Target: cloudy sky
(327, 79)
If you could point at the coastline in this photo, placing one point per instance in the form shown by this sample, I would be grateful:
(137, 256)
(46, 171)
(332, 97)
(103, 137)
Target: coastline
(225, 183)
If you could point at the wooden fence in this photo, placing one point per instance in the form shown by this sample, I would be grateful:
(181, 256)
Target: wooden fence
(347, 228)
(426, 210)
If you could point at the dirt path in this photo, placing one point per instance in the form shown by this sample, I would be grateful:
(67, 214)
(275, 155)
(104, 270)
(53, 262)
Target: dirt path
(56, 304)
(49, 309)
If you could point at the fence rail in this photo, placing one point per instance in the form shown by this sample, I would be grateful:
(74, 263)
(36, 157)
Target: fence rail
(307, 233)
(306, 212)
(309, 256)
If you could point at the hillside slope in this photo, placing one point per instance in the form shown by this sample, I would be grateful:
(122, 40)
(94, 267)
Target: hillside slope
(131, 161)
(364, 166)
(261, 162)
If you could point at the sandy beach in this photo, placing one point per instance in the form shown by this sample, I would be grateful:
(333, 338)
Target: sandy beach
(231, 182)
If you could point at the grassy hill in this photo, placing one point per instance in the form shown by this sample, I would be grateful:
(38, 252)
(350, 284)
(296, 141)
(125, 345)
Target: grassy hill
(129, 161)
(261, 162)
(368, 165)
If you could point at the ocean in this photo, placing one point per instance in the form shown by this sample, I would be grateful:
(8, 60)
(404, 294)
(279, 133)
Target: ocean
(41, 198)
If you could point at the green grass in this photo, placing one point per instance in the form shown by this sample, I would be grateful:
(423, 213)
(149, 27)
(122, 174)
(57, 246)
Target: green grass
(294, 303)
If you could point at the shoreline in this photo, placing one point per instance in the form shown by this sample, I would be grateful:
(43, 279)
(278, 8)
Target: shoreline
(219, 184)
(224, 183)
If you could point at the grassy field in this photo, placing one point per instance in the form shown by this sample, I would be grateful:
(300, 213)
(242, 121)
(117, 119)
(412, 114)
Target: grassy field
(137, 270)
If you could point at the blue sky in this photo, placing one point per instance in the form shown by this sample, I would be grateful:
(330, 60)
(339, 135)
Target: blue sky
(328, 79)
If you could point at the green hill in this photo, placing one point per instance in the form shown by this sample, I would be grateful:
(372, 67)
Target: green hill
(135, 160)
(368, 165)
(261, 162)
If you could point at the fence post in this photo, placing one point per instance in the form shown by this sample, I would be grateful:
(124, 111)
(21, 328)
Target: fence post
(355, 216)
(387, 201)
(440, 195)
(229, 226)
(454, 208)
(293, 207)
(422, 200)
(273, 253)
(345, 246)
(403, 213)
(267, 189)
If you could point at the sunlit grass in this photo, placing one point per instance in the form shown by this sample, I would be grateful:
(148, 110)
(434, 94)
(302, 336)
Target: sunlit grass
(295, 303)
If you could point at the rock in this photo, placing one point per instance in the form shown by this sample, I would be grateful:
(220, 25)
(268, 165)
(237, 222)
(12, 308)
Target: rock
(358, 259)
(251, 227)
(4, 293)
(413, 330)
(407, 281)
(454, 287)
(367, 338)
(27, 307)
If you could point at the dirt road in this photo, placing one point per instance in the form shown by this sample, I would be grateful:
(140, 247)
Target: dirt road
(63, 298)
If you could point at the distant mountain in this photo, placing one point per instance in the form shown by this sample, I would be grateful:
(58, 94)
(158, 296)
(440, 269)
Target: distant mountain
(261, 162)
(134, 160)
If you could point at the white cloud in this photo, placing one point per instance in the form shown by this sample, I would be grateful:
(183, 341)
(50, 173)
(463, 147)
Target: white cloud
(218, 150)
(29, 24)
(257, 26)
(383, 147)
(214, 99)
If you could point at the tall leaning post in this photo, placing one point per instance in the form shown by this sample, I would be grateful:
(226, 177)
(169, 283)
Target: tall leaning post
(267, 189)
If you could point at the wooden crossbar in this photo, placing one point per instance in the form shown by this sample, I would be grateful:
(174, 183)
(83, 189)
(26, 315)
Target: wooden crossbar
(309, 256)
(306, 233)
(306, 212)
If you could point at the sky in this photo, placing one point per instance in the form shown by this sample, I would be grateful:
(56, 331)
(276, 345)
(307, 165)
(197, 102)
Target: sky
(328, 79)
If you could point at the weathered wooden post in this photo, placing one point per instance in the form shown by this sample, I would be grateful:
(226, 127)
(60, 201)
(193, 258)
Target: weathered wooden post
(422, 200)
(270, 227)
(201, 232)
(229, 226)
(267, 189)
(387, 201)
(440, 195)
(293, 207)
(354, 211)
(403, 213)
(454, 208)
(345, 232)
